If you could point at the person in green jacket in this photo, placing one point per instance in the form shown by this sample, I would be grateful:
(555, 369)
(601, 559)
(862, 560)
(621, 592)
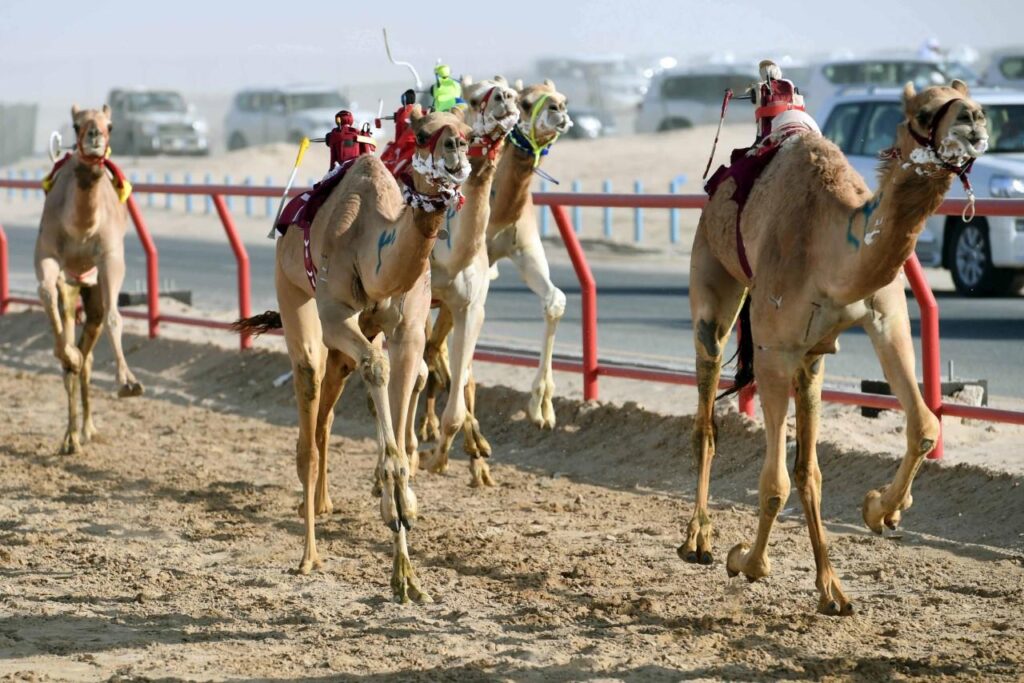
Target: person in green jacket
(446, 91)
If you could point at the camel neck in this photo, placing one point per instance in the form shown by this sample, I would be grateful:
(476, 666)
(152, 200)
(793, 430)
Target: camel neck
(468, 232)
(884, 230)
(85, 200)
(511, 187)
(403, 249)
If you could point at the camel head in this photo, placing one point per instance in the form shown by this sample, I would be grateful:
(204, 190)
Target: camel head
(944, 126)
(493, 107)
(92, 131)
(542, 113)
(441, 159)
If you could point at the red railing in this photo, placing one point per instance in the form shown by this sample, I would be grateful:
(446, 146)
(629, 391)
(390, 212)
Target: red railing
(590, 367)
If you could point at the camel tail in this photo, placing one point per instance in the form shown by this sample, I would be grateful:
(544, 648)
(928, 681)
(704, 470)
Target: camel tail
(744, 354)
(259, 324)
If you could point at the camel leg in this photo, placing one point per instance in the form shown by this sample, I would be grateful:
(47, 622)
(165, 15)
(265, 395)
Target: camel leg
(889, 329)
(93, 304)
(408, 375)
(715, 299)
(533, 268)
(111, 278)
(809, 378)
(438, 377)
(302, 334)
(68, 300)
(48, 273)
(775, 371)
(398, 502)
(473, 441)
(335, 376)
(412, 444)
(465, 332)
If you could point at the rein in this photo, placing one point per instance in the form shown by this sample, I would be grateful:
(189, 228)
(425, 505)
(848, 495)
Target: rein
(485, 145)
(528, 142)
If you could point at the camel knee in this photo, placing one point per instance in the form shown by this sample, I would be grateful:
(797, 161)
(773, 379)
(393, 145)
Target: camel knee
(703, 439)
(421, 378)
(554, 304)
(374, 368)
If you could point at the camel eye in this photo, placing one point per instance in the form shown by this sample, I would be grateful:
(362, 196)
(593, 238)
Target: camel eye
(77, 129)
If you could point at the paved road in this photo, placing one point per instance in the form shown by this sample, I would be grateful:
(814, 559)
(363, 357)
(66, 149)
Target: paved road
(642, 313)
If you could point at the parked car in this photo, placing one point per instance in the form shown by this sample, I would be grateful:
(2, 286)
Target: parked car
(681, 98)
(155, 122)
(985, 256)
(589, 123)
(1006, 69)
(827, 78)
(260, 116)
(607, 83)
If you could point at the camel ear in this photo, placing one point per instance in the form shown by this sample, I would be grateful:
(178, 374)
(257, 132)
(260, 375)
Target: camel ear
(415, 114)
(909, 93)
(550, 83)
(459, 113)
(106, 110)
(518, 85)
(500, 80)
(960, 87)
(74, 110)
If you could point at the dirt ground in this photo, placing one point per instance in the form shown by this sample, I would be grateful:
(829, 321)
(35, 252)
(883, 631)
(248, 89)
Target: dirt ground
(166, 550)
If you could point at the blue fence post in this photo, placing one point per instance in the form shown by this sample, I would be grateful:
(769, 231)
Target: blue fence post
(270, 201)
(577, 211)
(606, 187)
(168, 196)
(10, 190)
(544, 211)
(188, 197)
(39, 183)
(228, 198)
(248, 199)
(638, 215)
(673, 215)
(149, 195)
(208, 201)
(24, 176)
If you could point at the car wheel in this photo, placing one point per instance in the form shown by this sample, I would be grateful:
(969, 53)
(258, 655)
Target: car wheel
(673, 124)
(236, 142)
(970, 262)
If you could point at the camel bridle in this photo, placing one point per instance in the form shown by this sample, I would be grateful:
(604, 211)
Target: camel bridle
(92, 159)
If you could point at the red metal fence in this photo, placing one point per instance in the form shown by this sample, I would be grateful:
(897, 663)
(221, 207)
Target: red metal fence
(590, 366)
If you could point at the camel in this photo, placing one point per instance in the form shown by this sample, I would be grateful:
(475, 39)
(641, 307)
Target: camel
(372, 240)
(80, 252)
(459, 275)
(512, 233)
(824, 254)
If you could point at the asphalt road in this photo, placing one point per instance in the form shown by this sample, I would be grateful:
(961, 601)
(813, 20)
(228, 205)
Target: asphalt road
(642, 313)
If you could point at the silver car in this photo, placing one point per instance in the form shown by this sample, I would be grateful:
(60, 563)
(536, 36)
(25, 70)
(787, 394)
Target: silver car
(155, 122)
(985, 256)
(681, 98)
(260, 116)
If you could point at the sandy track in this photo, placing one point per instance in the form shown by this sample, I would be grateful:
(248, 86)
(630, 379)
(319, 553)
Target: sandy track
(165, 550)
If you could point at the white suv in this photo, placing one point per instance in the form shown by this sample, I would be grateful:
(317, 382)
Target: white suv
(263, 115)
(826, 79)
(985, 256)
(681, 98)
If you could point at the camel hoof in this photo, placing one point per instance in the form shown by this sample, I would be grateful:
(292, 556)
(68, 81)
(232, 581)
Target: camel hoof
(306, 566)
(71, 445)
(480, 473)
(698, 556)
(323, 507)
(130, 390)
(737, 562)
(872, 511)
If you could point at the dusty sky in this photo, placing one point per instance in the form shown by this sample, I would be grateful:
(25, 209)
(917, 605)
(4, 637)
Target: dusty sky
(61, 50)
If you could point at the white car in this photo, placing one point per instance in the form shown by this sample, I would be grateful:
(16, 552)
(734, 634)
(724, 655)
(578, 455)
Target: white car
(1006, 69)
(985, 256)
(826, 79)
(685, 97)
(259, 116)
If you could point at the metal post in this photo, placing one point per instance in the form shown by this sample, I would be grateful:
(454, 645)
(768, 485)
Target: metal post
(39, 183)
(152, 268)
(638, 215)
(207, 202)
(588, 296)
(24, 176)
(149, 195)
(673, 215)
(242, 257)
(248, 198)
(269, 208)
(10, 190)
(5, 286)
(188, 197)
(227, 181)
(930, 356)
(168, 196)
(606, 187)
(577, 211)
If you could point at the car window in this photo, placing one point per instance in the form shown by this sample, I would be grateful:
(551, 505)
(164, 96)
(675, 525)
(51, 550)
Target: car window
(709, 88)
(884, 73)
(1012, 68)
(1005, 128)
(842, 125)
(879, 129)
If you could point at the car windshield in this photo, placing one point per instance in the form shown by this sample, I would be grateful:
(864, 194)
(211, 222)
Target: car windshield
(315, 100)
(892, 73)
(1005, 128)
(156, 101)
(1012, 68)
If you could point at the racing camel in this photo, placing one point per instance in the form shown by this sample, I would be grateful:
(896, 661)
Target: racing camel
(460, 276)
(371, 242)
(80, 252)
(817, 253)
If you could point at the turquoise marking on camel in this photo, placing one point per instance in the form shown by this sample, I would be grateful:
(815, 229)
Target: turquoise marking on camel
(868, 209)
(385, 239)
(448, 226)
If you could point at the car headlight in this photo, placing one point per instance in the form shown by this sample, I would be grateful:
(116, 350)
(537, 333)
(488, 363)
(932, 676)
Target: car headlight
(148, 128)
(1006, 186)
(199, 126)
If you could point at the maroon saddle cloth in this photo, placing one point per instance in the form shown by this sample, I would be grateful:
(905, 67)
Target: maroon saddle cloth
(302, 209)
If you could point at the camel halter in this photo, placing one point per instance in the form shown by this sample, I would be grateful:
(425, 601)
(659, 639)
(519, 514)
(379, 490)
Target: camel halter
(929, 143)
(528, 142)
(485, 145)
(92, 159)
(447, 196)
